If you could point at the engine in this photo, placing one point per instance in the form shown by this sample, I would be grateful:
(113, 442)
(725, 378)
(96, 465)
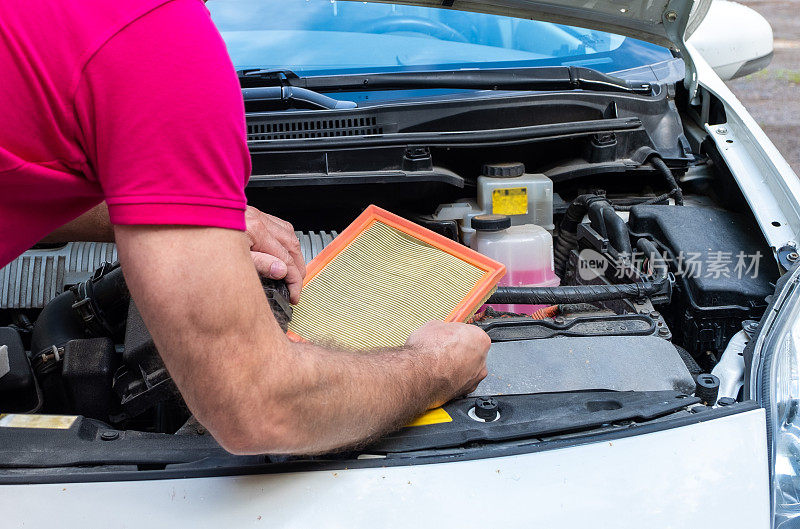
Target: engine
(618, 290)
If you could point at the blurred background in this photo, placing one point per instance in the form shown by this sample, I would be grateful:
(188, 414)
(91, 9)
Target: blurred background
(773, 95)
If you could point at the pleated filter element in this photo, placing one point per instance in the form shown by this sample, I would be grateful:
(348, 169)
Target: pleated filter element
(383, 277)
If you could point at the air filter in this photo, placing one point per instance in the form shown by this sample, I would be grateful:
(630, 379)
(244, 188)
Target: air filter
(383, 277)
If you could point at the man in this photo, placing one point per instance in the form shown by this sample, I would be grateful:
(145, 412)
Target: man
(127, 116)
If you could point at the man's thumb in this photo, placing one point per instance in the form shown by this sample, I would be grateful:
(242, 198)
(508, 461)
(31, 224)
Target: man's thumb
(269, 265)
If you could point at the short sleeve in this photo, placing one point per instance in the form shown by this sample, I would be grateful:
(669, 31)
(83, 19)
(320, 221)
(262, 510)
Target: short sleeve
(161, 120)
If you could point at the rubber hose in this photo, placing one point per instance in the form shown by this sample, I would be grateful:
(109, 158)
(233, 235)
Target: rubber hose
(57, 324)
(105, 296)
(576, 211)
(109, 298)
(565, 243)
(574, 294)
(654, 200)
(661, 167)
(567, 230)
(611, 226)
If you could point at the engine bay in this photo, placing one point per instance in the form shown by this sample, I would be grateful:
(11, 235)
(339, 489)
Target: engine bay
(632, 259)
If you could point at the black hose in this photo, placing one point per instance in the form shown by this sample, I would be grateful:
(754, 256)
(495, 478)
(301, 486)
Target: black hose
(604, 220)
(103, 301)
(57, 324)
(575, 294)
(568, 229)
(661, 167)
(611, 226)
(96, 307)
(654, 200)
(577, 210)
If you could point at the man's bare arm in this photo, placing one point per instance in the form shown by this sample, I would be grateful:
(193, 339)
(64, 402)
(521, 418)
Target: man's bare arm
(256, 391)
(91, 226)
(274, 247)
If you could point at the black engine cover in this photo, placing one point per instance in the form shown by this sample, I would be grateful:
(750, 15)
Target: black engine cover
(722, 290)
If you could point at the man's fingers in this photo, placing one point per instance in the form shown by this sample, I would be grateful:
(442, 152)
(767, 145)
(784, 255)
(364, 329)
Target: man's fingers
(273, 247)
(295, 283)
(267, 233)
(276, 239)
(284, 232)
(269, 265)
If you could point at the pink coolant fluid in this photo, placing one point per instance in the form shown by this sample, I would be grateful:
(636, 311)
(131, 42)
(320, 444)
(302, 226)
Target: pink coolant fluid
(527, 278)
(526, 251)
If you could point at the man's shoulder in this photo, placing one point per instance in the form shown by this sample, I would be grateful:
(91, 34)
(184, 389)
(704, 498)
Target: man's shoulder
(77, 27)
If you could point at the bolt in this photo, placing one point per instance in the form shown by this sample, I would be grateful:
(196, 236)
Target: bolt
(559, 319)
(792, 257)
(109, 435)
(486, 408)
(655, 315)
(750, 326)
(726, 401)
(663, 332)
(672, 16)
(722, 131)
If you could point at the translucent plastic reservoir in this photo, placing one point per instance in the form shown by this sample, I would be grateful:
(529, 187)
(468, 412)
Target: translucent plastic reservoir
(527, 253)
(527, 199)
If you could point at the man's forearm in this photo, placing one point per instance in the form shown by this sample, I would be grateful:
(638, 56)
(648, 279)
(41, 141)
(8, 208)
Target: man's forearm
(338, 399)
(94, 225)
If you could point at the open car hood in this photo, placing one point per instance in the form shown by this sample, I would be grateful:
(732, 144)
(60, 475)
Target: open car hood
(664, 22)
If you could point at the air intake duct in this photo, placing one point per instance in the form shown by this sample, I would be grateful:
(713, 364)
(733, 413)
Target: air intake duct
(97, 307)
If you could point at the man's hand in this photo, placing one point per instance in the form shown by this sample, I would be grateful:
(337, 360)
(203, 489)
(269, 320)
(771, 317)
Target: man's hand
(460, 352)
(275, 250)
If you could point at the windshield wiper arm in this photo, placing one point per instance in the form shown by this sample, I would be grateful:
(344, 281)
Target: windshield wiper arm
(544, 78)
(273, 86)
(294, 96)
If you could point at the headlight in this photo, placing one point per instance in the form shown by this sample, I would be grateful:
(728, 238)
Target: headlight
(775, 384)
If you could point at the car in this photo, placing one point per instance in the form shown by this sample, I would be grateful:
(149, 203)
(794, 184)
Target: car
(659, 389)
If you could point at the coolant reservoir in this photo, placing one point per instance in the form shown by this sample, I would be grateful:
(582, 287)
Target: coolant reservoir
(505, 189)
(526, 251)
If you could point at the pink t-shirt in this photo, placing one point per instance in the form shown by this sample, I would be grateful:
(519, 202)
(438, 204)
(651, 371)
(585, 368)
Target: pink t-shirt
(134, 102)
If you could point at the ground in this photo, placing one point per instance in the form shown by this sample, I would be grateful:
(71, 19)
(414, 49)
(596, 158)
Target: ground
(773, 95)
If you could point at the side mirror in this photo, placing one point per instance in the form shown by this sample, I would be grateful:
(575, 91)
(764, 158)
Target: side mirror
(734, 39)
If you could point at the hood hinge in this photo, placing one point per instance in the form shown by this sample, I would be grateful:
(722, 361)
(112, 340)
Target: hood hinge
(676, 19)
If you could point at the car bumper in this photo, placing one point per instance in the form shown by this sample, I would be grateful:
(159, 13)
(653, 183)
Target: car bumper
(713, 471)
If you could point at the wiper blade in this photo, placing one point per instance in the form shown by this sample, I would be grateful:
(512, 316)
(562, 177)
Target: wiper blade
(545, 78)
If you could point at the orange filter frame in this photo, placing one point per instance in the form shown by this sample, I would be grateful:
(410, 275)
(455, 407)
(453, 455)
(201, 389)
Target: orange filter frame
(492, 270)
